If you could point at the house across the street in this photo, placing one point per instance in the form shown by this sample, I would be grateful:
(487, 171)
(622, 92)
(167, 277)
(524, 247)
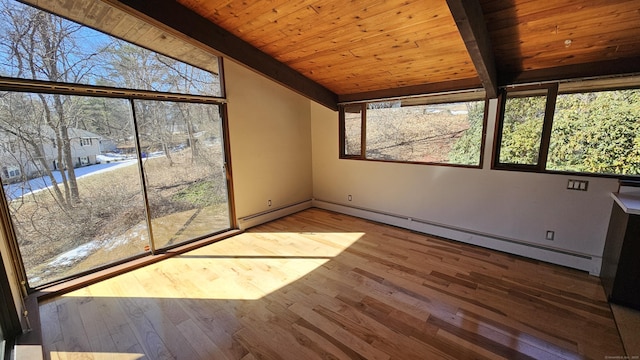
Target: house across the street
(20, 159)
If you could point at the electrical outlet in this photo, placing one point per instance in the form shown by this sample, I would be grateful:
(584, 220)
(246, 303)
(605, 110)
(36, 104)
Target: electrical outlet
(550, 235)
(269, 203)
(349, 197)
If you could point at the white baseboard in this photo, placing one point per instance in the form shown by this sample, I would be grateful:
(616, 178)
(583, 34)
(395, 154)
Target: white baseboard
(531, 250)
(249, 221)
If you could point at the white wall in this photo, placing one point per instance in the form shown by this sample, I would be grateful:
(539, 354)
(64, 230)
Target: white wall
(504, 210)
(270, 138)
(285, 149)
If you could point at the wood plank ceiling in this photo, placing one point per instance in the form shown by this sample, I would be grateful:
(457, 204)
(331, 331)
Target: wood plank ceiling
(536, 40)
(351, 46)
(337, 50)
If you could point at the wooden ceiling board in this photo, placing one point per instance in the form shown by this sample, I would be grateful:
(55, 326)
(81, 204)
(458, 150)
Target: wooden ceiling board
(405, 77)
(403, 84)
(501, 13)
(344, 38)
(365, 23)
(350, 46)
(434, 49)
(530, 35)
(280, 13)
(263, 30)
(234, 15)
(403, 70)
(605, 35)
(597, 24)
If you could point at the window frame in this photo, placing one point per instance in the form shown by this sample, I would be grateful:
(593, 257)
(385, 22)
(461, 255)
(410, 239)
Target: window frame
(553, 91)
(438, 99)
(130, 96)
(545, 136)
(343, 136)
(39, 86)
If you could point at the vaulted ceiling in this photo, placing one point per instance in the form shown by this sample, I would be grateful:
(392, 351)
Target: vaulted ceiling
(339, 50)
(351, 46)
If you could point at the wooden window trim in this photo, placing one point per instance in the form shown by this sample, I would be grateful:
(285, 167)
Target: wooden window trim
(343, 137)
(547, 126)
(363, 132)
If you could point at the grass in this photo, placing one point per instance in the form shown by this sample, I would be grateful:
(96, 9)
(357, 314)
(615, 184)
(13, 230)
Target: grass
(407, 134)
(187, 200)
(416, 134)
(200, 194)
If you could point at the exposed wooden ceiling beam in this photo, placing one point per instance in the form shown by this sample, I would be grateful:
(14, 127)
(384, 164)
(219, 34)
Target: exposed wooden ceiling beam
(473, 29)
(628, 66)
(455, 85)
(191, 27)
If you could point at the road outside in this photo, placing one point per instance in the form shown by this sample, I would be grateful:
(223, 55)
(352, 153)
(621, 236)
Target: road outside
(17, 190)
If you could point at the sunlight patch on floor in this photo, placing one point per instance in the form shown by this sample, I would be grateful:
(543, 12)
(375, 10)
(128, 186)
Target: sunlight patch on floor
(245, 267)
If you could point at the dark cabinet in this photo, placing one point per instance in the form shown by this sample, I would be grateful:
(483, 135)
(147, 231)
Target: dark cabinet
(620, 272)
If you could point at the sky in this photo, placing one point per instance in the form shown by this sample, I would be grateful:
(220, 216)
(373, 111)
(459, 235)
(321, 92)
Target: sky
(86, 42)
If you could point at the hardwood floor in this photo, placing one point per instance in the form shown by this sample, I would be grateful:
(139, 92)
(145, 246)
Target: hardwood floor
(319, 285)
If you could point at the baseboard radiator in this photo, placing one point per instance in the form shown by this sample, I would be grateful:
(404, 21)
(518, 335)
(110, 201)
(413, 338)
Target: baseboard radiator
(584, 262)
(249, 221)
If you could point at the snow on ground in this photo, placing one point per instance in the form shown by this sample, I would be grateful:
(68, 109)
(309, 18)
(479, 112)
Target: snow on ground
(82, 252)
(135, 233)
(73, 256)
(14, 191)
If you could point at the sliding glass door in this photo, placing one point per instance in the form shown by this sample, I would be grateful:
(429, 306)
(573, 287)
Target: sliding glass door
(108, 151)
(87, 186)
(183, 164)
(74, 203)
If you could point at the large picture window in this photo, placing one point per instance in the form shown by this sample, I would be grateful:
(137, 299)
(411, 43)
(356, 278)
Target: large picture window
(562, 129)
(103, 163)
(416, 130)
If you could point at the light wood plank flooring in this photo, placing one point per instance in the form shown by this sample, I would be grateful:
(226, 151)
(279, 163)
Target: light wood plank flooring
(319, 285)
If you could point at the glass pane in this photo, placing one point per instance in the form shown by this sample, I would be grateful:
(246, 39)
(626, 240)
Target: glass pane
(522, 130)
(597, 132)
(90, 215)
(432, 133)
(38, 45)
(353, 130)
(183, 161)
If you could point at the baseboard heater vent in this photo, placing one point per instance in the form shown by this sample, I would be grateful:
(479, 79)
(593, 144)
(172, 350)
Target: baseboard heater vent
(248, 221)
(458, 229)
